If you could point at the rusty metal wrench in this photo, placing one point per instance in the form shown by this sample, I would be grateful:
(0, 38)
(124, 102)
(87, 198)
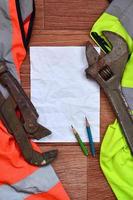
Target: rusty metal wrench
(25, 106)
(108, 71)
(10, 119)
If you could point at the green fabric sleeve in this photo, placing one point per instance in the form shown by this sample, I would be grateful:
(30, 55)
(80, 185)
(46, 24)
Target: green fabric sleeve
(117, 163)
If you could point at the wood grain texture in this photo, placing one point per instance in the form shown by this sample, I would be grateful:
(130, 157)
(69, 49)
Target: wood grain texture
(67, 23)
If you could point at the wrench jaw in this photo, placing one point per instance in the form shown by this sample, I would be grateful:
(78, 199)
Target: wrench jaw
(43, 159)
(92, 58)
(97, 69)
(117, 58)
(117, 43)
(105, 69)
(49, 156)
(37, 131)
(91, 54)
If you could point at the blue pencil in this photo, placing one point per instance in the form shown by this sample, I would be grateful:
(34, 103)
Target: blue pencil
(92, 147)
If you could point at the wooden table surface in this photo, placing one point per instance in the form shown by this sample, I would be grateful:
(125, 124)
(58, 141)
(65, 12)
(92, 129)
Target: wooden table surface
(67, 22)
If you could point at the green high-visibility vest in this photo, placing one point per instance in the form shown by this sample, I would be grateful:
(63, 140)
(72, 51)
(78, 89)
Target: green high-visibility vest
(115, 158)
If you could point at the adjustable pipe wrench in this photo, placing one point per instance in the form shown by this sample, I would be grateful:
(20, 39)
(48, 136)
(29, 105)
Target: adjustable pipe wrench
(108, 71)
(25, 125)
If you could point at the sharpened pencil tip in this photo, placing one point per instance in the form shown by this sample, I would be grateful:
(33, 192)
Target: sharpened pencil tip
(87, 123)
(85, 118)
(71, 126)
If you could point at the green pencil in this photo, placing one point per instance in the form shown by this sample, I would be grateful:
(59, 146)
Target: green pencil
(82, 145)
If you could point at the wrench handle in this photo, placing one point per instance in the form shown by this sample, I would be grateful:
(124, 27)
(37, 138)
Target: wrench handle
(123, 114)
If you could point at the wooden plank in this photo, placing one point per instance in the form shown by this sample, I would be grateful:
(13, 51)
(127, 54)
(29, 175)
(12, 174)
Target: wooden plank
(72, 15)
(39, 22)
(71, 167)
(97, 185)
(59, 40)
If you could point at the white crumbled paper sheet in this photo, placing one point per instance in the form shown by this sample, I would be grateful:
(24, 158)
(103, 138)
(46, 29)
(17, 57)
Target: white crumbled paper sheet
(62, 94)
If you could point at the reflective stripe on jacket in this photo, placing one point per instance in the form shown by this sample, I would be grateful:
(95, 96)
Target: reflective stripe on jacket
(18, 179)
